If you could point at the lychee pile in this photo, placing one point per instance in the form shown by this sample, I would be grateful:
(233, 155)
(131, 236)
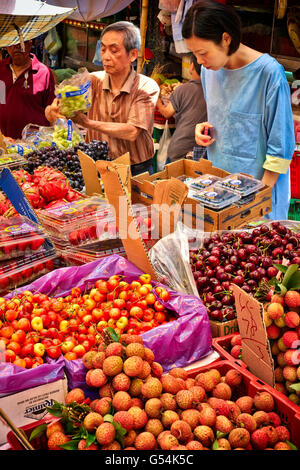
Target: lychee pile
(282, 320)
(141, 408)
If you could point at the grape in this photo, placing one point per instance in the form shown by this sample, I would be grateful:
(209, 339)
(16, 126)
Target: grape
(60, 135)
(69, 105)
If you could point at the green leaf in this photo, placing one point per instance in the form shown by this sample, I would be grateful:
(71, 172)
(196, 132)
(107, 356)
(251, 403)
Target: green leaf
(295, 387)
(291, 270)
(71, 445)
(215, 445)
(91, 438)
(221, 434)
(120, 433)
(281, 268)
(292, 446)
(38, 431)
(115, 336)
(294, 281)
(281, 289)
(108, 418)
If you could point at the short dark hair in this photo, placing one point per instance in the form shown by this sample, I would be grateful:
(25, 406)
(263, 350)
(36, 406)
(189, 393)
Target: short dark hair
(196, 65)
(132, 35)
(209, 19)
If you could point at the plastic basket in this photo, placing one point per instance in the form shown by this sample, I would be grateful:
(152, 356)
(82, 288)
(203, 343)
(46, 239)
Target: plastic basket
(221, 344)
(295, 176)
(39, 443)
(294, 210)
(287, 410)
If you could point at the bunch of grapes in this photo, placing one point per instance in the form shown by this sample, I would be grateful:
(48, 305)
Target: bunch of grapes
(67, 161)
(69, 105)
(60, 137)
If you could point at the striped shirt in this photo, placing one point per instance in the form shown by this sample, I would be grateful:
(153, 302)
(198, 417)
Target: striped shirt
(134, 105)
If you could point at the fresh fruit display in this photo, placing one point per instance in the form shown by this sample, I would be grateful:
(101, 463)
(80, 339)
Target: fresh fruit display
(141, 408)
(73, 325)
(241, 184)
(12, 161)
(67, 161)
(244, 258)
(214, 197)
(20, 237)
(21, 148)
(65, 223)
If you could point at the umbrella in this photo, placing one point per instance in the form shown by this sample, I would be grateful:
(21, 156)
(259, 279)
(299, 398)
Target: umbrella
(90, 10)
(24, 20)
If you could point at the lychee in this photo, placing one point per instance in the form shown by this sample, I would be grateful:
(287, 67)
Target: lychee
(124, 419)
(247, 421)
(261, 418)
(223, 424)
(191, 417)
(54, 427)
(206, 381)
(114, 445)
(239, 437)
(181, 430)
(275, 310)
(76, 394)
(145, 441)
(184, 399)
(135, 401)
(139, 416)
(234, 410)
(112, 365)
(277, 298)
(152, 388)
(223, 444)
(272, 435)
(236, 339)
(207, 415)
(148, 355)
(283, 433)
(205, 435)
(168, 401)
(121, 382)
(220, 406)
(292, 299)
(92, 420)
(190, 382)
(168, 418)
(135, 349)
(274, 419)
(236, 351)
(290, 339)
(97, 360)
(95, 378)
(156, 370)
(233, 378)
(56, 440)
(129, 438)
(291, 357)
(198, 393)
(133, 366)
(259, 439)
(222, 390)
(121, 401)
(82, 445)
(273, 331)
(106, 391)
(194, 445)
(87, 359)
(215, 373)
(245, 404)
(167, 441)
(146, 371)
(292, 319)
(290, 373)
(135, 388)
(154, 426)
(181, 383)
(278, 375)
(105, 434)
(170, 384)
(282, 446)
(263, 401)
(179, 372)
(153, 407)
(103, 406)
(114, 349)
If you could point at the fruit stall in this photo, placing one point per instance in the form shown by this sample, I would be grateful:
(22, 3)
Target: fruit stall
(178, 336)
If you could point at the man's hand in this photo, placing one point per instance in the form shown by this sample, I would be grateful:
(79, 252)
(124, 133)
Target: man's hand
(269, 178)
(200, 137)
(52, 112)
(81, 119)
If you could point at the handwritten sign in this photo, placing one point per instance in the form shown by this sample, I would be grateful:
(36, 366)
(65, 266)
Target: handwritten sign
(256, 352)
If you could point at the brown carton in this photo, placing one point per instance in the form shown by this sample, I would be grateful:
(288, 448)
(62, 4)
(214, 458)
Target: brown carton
(256, 351)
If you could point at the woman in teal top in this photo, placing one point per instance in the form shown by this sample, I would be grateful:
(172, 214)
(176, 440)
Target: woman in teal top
(248, 102)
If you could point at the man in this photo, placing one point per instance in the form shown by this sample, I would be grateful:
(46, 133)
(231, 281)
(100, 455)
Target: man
(123, 102)
(27, 88)
(188, 104)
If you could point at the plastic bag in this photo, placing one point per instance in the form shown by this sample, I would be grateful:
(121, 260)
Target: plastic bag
(20, 147)
(74, 93)
(169, 5)
(97, 60)
(162, 153)
(175, 344)
(52, 42)
(171, 261)
(38, 136)
(66, 134)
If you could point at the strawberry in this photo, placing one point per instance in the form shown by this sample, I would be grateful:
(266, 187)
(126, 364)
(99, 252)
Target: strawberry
(37, 243)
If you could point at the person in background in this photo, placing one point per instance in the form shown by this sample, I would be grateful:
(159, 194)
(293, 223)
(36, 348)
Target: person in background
(188, 105)
(248, 102)
(122, 102)
(28, 89)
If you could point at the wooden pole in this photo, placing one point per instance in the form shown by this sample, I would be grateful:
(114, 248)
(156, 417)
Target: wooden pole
(143, 28)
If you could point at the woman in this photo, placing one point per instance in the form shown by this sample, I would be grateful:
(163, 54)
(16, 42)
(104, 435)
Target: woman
(248, 102)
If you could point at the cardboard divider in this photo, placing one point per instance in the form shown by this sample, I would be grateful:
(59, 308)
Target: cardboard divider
(255, 343)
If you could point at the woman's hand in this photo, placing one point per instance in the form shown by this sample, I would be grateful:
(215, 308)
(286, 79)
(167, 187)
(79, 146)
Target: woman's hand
(52, 112)
(200, 137)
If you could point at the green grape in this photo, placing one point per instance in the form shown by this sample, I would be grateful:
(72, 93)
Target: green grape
(69, 105)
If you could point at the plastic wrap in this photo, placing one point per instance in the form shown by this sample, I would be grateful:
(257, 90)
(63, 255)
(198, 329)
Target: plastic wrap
(74, 93)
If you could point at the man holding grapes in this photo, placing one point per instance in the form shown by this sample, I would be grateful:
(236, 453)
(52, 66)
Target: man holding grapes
(122, 101)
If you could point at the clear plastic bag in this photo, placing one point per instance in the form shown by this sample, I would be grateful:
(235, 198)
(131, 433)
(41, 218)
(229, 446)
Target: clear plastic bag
(66, 134)
(74, 93)
(162, 153)
(171, 261)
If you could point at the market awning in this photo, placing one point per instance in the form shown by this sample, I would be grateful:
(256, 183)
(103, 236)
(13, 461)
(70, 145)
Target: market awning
(25, 20)
(89, 10)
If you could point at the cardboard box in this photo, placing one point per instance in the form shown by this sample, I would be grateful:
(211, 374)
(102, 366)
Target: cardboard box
(256, 349)
(223, 328)
(30, 405)
(231, 217)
